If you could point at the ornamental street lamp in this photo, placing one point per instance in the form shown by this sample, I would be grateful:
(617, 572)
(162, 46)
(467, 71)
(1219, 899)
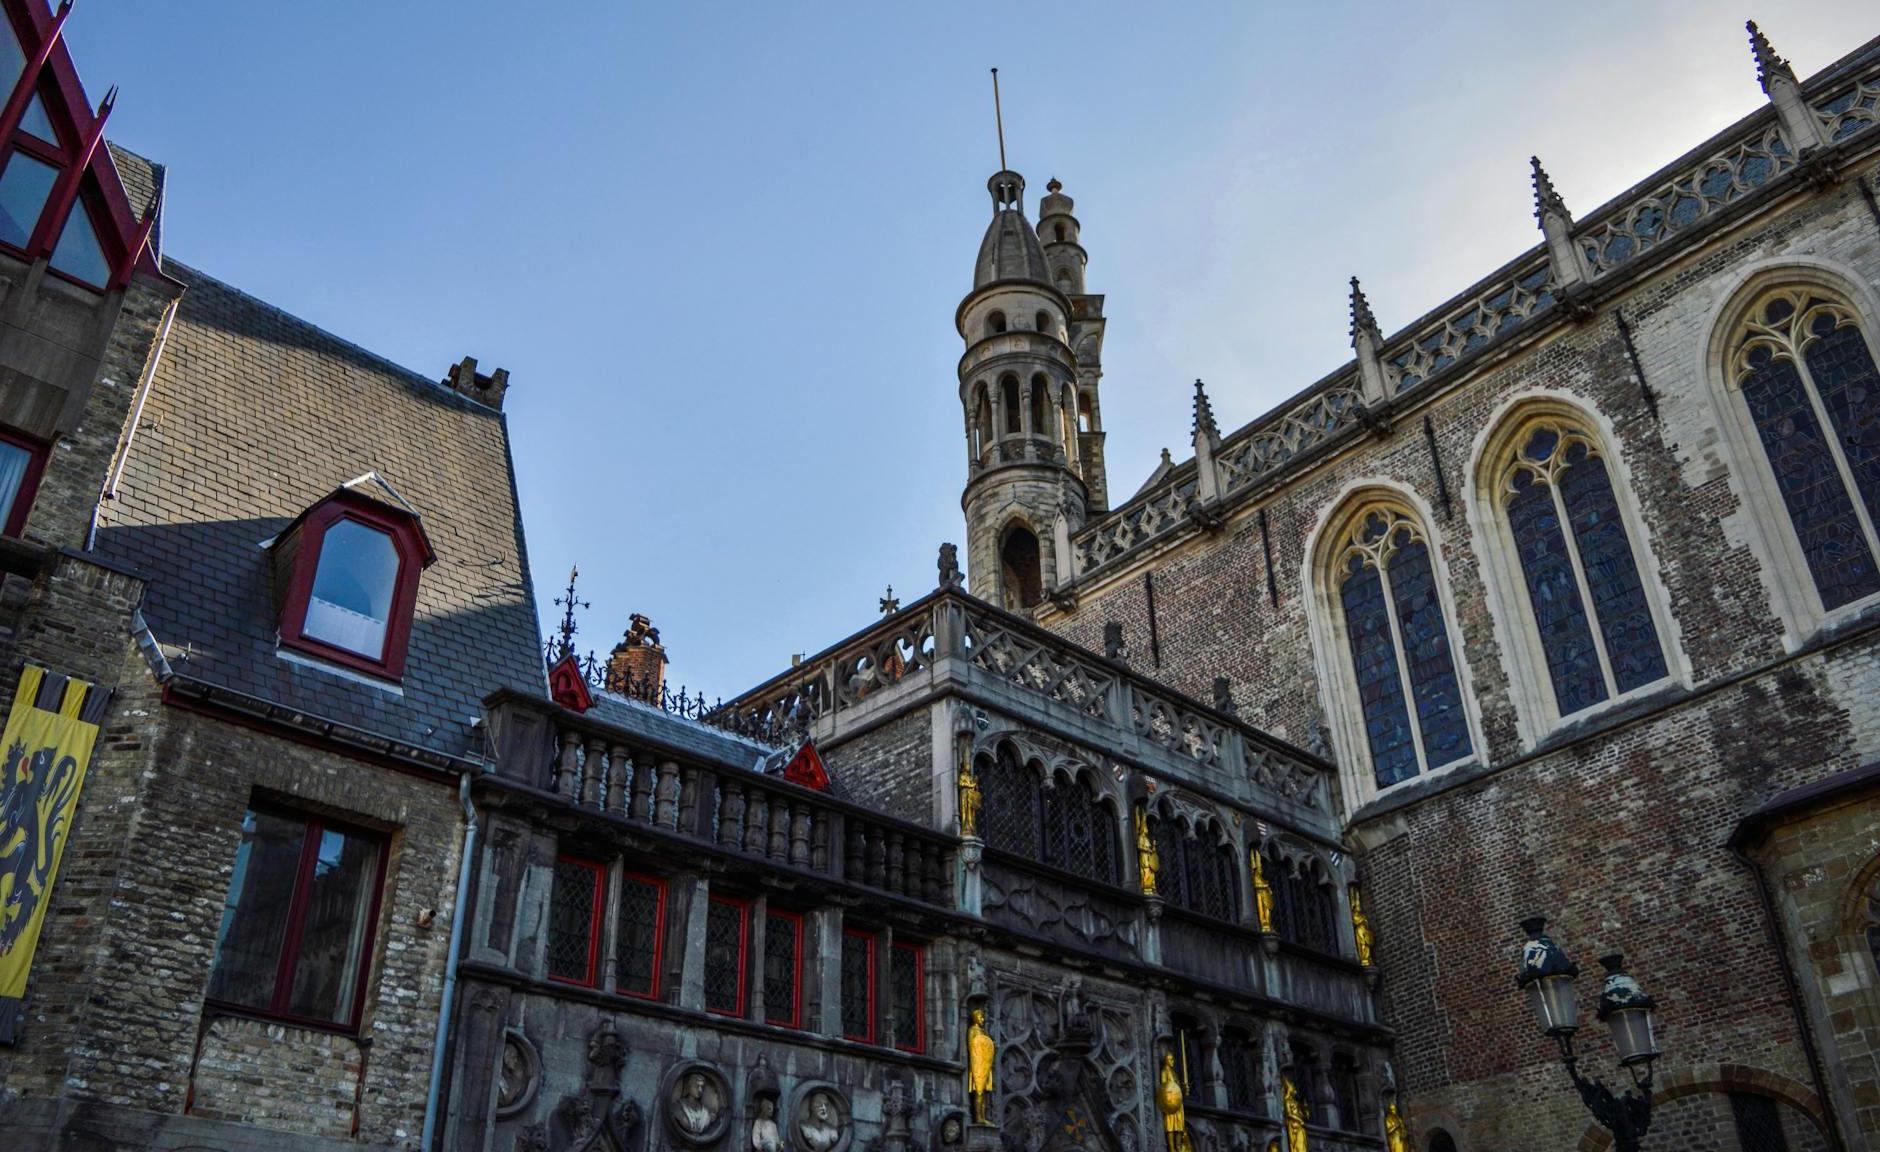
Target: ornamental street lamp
(1547, 975)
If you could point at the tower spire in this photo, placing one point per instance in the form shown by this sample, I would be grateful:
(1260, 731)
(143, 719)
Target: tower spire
(1361, 318)
(1545, 198)
(1204, 413)
(998, 117)
(1769, 65)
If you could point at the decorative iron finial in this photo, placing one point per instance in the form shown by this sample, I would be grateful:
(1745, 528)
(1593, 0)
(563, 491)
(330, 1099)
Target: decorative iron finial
(1768, 64)
(570, 603)
(889, 605)
(1545, 198)
(1361, 318)
(1204, 413)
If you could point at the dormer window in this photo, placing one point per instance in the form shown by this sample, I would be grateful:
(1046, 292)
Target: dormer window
(349, 567)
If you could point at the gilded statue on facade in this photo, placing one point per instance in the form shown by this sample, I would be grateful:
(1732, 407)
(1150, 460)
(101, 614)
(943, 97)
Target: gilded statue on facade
(1396, 1132)
(1146, 858)
(1360, 928)
(1262, 892)
(980, 1053)
(1168, 1100)
(1295, 1116)
(969, 796)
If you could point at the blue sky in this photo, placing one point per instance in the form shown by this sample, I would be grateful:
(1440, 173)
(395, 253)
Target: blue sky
(719, 246)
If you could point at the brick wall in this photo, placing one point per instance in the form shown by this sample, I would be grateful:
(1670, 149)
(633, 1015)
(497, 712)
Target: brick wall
(889, 769)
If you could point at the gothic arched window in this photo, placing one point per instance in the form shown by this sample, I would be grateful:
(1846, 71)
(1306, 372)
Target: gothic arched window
(1021, 568)
(1198, 870)
(1009, 401)
(1079, 831)
(1590, 612)
(1806, 372)
(1012, 804)
(1384, 591)
(1066, 825)
(1040, 393)
(1305, 909)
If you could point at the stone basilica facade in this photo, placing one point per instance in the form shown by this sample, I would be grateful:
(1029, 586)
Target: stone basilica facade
(1197, 821)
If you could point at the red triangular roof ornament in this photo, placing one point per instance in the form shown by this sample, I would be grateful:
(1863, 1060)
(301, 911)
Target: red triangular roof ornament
(568, 687)
(123, 230)
(806, 768)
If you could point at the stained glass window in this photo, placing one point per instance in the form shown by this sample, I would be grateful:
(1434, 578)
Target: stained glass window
(1574, 551)
(574, 920)
(858, 986)
(1400, 651)
(904, 993)
(783, 958)
(726, 922)
(637, 941)
(1812, 391)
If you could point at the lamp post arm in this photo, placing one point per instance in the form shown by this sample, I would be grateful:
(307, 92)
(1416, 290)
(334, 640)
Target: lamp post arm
(1626, 1116)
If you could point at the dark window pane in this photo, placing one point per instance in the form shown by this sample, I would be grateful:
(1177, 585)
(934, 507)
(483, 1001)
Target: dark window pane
(1011, 811)
(1240, 1068)
(571, 924)
(78, 254)
(1625, 619)
(858, 987)
(1380, 686)
(24, 187)
(636, 950)
(904, 992)
(1172, 878)
(1818, 503)
(333, 926)
(1554, 597)
(1758, 1123)
(1426, 643)
(1345, 1095)
(724, 957)
(351, 601)
(256, 914)
(782, 947)
(1850, 390)
(36, 121)
(15, 462)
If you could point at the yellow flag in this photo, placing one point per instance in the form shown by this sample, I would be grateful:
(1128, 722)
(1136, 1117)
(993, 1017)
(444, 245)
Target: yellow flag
(45, 757)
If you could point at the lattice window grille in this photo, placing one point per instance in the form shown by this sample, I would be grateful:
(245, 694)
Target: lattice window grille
(858, 986)
(904, 994)
(782, 970)
(571, 920)
(1011, 807)
(726, 922)
(637, 940)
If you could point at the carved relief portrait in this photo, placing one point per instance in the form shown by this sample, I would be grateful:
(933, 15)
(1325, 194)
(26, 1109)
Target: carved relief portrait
(696, 1099)
(820, 1120)
(517, 1074)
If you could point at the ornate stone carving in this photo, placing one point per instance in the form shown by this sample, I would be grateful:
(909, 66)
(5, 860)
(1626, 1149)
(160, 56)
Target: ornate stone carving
(820, 1120)
(534, 1138)
(1058, 911)
(518, 1075)
(696, 1100)
(1031, 1035)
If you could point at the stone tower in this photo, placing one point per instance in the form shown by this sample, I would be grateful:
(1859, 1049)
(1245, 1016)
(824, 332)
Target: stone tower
(1034, 448)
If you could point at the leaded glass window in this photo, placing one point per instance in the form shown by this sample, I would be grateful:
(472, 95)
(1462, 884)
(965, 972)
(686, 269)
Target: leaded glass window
(1012, 807)
(1345, 1096)
(1305, 909)
(638, 937)
(783, 959)
(726, 923)
(1240, 1068)
(1079, 835)
(574, 913)
(1400, 652)
(1065, 825)
(858, 986)
(1579, 568)
(1809, 382)
(1197, 871)
(904, 995)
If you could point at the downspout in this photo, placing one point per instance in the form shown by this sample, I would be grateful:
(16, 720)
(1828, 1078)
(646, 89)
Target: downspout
(438, 1042)
(1796, 1003)
(130, 430)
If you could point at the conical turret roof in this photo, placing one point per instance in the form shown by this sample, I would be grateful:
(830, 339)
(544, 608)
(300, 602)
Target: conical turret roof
(1010, 250)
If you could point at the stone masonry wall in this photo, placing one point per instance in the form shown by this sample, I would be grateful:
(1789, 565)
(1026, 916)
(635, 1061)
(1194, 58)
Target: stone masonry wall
(1618, 832)
(889, 769)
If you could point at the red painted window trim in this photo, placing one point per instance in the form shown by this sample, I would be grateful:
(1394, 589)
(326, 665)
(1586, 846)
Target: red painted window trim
(796, 973)
(869, 939)
(297, 922)
(597, 872)
(658, 884)
(412, 558)
(919, 953)
(29, 483)
(744, 954)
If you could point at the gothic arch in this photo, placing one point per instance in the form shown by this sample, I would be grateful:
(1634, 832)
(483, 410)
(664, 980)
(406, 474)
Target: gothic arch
(1021, 565)
(1703, 1079)
(1526, 456)
(1736, 327)
(1435, 726)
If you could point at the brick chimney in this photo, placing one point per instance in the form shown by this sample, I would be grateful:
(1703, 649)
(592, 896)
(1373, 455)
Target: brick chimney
(637, 665)
(463, 377)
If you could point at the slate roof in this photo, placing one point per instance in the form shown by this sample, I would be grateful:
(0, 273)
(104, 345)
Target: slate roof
(143, 182)
(678, 733)
(254, 416)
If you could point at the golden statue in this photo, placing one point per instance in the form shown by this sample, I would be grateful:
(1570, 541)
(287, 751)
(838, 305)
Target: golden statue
(1262, 892)
(980, 1051)
(1396, 1132)
(1168, 1100)
(1295, 1116)
(1146, 858)
(969, 796)
(1360, 928)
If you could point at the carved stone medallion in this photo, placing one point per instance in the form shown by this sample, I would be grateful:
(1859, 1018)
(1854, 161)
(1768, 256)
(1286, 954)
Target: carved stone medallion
(696, 1101)
(820, 1120)
(519, 1074)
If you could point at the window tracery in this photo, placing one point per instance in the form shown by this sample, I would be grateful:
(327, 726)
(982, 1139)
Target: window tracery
(1384, 588)
(1065, 826)
(1305, 908)
(1579, 570)
(1806, 372)
(1198, 868)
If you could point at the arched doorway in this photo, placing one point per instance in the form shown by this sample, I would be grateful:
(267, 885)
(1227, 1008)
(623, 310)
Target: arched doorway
(1021, 576)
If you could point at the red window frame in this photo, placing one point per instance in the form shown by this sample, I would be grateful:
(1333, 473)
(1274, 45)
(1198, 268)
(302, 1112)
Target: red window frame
(29, 483)
(868, 940)
(658, 885)
(597, 872)
(297, 923)
(795, 921)
(413, 556)
(744, 953)
(918, 1041)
